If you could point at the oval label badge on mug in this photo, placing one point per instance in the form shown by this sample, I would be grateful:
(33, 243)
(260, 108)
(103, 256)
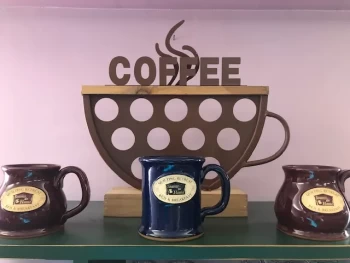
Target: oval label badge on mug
(323, 200)
(22, 199)
(174, 188)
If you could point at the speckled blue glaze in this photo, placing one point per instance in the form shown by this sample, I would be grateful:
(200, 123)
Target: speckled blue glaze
(183, 220)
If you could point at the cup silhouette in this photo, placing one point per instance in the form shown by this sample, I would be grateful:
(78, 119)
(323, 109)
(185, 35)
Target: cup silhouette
(232, 160)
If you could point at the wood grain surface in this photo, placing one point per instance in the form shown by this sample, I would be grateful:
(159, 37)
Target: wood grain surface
(176, 90)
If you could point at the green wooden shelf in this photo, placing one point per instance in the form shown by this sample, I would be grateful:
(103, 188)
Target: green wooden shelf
(90, 236)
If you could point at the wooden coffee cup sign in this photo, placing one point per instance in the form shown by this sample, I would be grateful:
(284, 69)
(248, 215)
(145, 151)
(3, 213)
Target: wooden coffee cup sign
(187, 66)
(175, 69)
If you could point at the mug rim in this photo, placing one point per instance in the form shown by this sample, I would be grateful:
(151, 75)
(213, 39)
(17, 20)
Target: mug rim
(30, 166)
(307, 167)
(171, 158)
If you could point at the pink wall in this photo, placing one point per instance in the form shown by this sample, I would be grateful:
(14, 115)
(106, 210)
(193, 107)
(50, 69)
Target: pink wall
(48, 54)
(185, 4)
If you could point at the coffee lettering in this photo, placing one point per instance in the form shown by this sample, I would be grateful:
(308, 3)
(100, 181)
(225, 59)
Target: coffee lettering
(187, 69)
(226, 71)
(171, 67)
(165, 72)
(113, 72)
(152, 71)
(205, 71)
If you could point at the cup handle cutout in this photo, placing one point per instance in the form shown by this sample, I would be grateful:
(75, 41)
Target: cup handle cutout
(85, 188)
(283, 147)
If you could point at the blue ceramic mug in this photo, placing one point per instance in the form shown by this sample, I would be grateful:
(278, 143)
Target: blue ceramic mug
(171, 197)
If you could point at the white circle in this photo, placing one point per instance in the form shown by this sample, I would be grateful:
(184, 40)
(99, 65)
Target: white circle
(158, 138)
(228, 139)
(123, 139)
(106, 109)
(136, 168)
(210, 110)
(141, 109)
(175, 110)
(193, 139)
(211, 160)
(244, 110)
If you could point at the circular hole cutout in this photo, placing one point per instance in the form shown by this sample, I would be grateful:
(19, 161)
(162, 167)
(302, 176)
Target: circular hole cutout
(211, 160)
(136, 168)
(106, 109)
(244, 110)
(158, 139)
(141, 109)
(176, 110)
(193, 139)
(210, 110)
(123, 139)
(228, 139)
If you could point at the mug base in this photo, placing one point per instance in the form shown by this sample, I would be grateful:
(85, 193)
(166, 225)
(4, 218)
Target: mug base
(181, 239)
(30, 233)
(313, 235)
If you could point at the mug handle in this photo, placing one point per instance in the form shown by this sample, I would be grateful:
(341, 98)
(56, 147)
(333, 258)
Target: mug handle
(342, 176)
(225, 192)
(85, 188)
(283, 147)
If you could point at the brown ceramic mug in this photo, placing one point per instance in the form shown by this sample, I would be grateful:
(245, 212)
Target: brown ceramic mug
(32, 199)
(311, 203)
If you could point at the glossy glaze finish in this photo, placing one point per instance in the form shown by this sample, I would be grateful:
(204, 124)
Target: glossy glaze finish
(177, 221)
(52, 214)
(294, 218)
